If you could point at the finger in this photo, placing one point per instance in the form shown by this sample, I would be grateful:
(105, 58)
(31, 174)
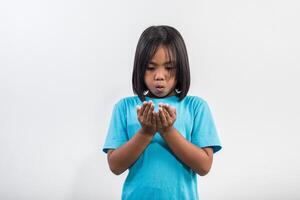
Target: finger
(138, 109)
(166, 107)
(147, 106)
(143, 107)
(162, 117)
(149, 114)
(171, 111)
(153, 119)
(158, 122)
(160, 105)
(168, 117)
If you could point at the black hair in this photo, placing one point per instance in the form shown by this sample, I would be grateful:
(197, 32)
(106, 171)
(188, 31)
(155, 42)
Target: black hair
(149, 41)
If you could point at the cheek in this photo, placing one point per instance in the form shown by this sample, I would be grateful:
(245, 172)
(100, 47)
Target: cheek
(171, 74)
(173, 81)
(147, 78)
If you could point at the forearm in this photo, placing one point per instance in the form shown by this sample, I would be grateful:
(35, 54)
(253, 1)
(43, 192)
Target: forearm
(194, 157)
(123, 157)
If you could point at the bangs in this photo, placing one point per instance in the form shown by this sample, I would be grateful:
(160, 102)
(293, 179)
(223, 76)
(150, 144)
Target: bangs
(170, 52)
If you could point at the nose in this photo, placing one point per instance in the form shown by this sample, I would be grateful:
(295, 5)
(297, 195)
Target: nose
(160, 75)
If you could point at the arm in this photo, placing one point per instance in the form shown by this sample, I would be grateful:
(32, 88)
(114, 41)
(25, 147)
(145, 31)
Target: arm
(198, 159)
(123, 157)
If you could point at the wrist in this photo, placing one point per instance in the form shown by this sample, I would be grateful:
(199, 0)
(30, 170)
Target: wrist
(147, 132)
(166, 131)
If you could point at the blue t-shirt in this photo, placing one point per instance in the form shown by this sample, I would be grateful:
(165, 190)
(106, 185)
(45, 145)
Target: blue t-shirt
(158, 173)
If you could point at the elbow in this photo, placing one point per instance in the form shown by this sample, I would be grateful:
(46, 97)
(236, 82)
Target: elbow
(114, 166)
(115, 169)
(205, 167)
(202, 172)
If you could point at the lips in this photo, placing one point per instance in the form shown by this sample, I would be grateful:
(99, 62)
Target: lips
(159, 88)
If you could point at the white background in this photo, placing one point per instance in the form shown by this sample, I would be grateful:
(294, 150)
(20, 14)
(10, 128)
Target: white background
(65, 63)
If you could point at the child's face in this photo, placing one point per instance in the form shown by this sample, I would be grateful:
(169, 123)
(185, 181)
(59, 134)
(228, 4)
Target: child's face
(160, 75)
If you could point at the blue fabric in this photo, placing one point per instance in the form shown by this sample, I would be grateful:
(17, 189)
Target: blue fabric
(158, 173)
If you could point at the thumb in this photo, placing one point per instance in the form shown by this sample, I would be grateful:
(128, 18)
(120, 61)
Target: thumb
(173, 109)
(138, 108)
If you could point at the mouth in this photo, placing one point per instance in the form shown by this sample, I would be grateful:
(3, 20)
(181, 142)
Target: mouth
(159, 88)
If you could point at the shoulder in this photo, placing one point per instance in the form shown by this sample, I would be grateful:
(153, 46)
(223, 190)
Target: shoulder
(195, 101)
(127, 101)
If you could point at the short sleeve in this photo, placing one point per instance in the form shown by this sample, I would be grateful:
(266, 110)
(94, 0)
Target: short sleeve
(116, 134)
(204, 133)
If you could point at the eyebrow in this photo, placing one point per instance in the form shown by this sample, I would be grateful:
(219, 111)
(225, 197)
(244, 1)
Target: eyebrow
(168, 62)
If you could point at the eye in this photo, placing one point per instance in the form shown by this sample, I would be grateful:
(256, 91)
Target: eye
(150, 68)
(170, 68)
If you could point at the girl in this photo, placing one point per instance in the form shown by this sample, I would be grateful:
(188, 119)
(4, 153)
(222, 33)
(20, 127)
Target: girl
(162, 135)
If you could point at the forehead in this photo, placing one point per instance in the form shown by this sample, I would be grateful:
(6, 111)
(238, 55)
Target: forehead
(162, 54)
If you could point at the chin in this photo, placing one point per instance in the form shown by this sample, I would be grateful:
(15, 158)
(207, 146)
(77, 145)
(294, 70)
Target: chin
(161, 95)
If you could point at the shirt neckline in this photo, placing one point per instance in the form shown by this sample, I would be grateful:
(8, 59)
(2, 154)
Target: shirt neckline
(169, 98)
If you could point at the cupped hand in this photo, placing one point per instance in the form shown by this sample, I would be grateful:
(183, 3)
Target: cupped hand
(146, 118)
(165, 118)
